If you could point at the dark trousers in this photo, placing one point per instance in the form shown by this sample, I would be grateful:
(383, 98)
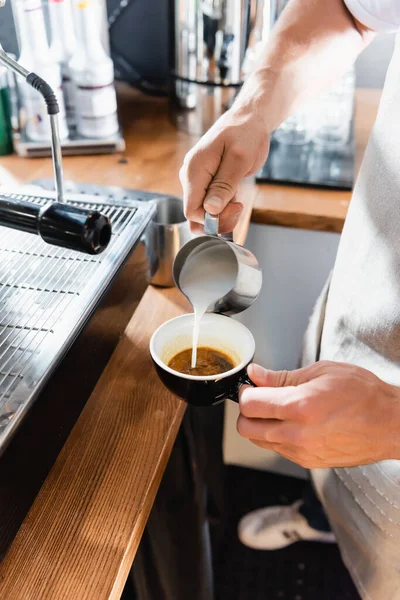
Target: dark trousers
(312, 509)
(174, 559)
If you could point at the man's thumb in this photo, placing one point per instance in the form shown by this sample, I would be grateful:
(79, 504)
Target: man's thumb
(265, 378)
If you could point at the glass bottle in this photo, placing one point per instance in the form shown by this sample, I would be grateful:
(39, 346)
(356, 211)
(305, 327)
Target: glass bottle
(62, 47)
(92, 73)
(35, 56)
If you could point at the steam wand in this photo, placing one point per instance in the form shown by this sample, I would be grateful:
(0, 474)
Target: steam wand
(58, 223)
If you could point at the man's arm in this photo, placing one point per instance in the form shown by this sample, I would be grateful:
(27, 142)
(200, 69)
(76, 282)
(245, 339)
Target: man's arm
(313, 43)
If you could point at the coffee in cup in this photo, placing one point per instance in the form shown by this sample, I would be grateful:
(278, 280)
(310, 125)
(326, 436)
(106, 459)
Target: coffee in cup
(209, 362)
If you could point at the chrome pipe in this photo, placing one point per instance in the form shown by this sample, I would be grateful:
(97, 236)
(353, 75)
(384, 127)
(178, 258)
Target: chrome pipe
(52, 107)
(12, 64)
(57, 158)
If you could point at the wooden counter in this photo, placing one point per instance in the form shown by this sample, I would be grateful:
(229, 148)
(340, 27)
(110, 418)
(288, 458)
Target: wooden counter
(81, 533)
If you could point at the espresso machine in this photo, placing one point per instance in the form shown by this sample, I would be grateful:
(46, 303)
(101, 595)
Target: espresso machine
(58, 256)
(213, 49)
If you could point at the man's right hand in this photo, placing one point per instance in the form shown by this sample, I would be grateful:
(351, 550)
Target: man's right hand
(236, 146)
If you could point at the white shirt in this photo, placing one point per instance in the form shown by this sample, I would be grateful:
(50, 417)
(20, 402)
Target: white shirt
(378, 15)
(361, 326)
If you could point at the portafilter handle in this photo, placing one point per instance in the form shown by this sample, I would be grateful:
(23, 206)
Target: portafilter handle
(59, 224)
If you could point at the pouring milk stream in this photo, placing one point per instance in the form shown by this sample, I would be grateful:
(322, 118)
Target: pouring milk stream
(208, 274)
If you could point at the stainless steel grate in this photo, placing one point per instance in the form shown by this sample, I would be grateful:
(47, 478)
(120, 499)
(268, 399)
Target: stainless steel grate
(46, 294)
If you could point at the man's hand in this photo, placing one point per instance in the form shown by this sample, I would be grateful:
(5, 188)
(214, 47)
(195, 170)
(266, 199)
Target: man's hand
(236, 146)
(326, 415)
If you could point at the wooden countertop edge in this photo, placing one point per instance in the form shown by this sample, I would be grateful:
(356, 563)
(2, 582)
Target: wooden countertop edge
(139, 527)
(314, 222)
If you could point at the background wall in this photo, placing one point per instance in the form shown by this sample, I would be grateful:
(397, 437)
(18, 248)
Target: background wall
(372, 65)
(7, 32)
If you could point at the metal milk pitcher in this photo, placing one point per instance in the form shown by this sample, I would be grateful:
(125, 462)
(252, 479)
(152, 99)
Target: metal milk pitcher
(249, 277)
(165, 235)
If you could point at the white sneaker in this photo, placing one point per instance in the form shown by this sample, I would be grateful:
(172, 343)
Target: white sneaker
(279, 526)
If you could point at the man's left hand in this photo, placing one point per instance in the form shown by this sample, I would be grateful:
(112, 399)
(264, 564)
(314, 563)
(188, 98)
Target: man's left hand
(326, 415)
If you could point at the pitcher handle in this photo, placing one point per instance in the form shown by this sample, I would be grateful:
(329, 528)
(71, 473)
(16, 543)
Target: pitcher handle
(211, 226)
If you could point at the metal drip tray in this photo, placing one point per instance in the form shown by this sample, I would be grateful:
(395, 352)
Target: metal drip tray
(47, 294)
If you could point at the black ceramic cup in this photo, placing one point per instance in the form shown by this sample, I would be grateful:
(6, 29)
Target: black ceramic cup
(216, 331)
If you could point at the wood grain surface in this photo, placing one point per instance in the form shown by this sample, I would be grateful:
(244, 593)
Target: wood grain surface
(80, 537)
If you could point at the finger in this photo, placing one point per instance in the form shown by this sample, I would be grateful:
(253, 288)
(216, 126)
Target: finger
(222, 188)
(193, 196)
(275, 432)
(196, 175)
(265, 378)
(227, 221)
(293, 454)
(229, 217)
(286, 451)
(196, 227)
(268, 403)
(242, 391)
(267, 445)
(264, 430)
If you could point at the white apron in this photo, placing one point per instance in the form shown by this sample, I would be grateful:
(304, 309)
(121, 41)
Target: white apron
(358, 321)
